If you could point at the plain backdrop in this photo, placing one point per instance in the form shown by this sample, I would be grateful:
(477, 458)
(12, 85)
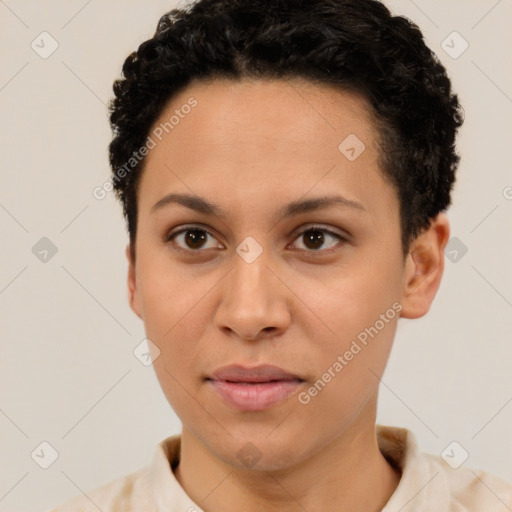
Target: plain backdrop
(68, 373)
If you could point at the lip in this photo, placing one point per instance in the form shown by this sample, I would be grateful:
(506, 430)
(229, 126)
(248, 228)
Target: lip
(254, 389)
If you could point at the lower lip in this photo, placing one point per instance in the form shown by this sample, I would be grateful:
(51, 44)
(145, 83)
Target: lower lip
(255, 396)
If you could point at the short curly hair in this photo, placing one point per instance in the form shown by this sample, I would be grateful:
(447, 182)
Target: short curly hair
(357, 45)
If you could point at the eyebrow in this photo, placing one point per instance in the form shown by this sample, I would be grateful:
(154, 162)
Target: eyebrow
(201, 205)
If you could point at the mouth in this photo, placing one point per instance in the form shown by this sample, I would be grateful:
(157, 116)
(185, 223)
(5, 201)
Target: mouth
(254, 389)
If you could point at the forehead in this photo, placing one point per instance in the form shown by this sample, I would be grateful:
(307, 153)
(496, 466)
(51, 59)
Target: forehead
(263, 138)
(285, 112)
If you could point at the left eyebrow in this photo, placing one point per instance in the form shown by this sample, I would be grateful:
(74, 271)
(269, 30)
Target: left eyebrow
(201, 205)
(317, 203)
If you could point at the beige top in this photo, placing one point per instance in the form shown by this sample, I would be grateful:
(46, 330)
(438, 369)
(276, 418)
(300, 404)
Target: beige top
(428, 483)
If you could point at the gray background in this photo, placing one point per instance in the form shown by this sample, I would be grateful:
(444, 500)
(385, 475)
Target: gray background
(68, 373)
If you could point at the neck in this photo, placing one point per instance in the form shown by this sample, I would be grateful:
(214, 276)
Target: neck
(350, 473)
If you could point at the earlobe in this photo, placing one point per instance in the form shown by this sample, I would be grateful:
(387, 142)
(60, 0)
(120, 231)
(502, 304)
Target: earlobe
(133, 296)
(424, 268)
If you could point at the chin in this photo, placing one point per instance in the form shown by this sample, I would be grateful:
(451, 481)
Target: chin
(258, 452)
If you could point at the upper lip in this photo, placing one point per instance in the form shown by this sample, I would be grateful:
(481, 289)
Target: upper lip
(261, 373)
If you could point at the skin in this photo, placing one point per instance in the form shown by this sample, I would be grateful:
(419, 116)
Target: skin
(251, 147)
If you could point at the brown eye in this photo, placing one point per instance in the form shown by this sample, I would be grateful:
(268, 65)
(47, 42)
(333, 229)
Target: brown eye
(192, 239)
(315, 238)
(195, 238)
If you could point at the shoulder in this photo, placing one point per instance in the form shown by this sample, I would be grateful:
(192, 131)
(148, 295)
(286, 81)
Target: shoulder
(472, 489)
(142, 490)
(433, 482)
(125, 494)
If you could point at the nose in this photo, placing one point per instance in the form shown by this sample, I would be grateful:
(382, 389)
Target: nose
(254, 304)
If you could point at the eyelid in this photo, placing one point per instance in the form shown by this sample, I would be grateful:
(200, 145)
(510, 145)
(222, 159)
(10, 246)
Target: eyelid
(183, 229)
(344, 237)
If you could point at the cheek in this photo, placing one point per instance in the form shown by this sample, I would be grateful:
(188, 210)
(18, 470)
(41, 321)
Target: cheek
(348, 370)
(351, 333)
(348, 301)
(176, 310)
(167, 292)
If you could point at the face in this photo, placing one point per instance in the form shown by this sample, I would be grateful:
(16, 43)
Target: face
(267, 274)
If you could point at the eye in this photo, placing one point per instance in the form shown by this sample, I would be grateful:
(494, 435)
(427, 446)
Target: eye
(193, 239)
(315, 237)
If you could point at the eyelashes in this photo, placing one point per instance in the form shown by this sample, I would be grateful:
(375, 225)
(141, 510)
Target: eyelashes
(195, 239)
(197, 236)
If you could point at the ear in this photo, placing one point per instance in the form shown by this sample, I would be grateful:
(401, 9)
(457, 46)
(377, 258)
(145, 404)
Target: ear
(424, 268)
(133, 296)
